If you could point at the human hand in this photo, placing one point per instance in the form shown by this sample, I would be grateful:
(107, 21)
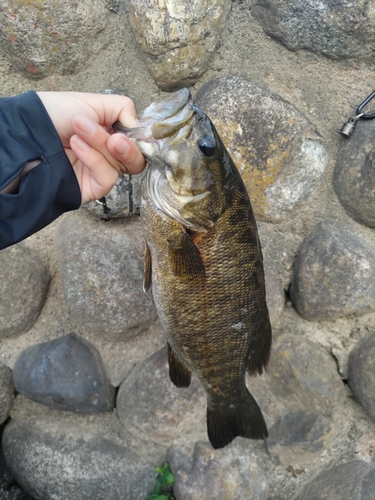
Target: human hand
(98, 156)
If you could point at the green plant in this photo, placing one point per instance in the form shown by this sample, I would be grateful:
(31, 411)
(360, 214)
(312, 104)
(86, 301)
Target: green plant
(164, 482)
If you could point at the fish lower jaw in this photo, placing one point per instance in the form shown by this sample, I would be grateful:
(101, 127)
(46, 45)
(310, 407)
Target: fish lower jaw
(179, 191)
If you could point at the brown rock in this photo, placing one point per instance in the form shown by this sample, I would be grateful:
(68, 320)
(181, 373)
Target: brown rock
(178, 38)
(53, 36)
(279, 155)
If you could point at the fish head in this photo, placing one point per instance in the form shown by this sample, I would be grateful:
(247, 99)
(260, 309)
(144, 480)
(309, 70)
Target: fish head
(186, 160)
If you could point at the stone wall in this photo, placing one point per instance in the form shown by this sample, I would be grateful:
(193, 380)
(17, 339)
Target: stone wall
(93, 411)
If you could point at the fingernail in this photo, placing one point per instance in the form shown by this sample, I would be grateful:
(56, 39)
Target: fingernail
(82, 145)
(122, 147)
(85, 124)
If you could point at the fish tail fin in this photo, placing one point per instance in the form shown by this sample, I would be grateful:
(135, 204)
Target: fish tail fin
(245, 419)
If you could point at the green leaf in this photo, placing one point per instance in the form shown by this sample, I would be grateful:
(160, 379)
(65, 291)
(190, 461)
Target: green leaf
(163, 479)
(169, 478)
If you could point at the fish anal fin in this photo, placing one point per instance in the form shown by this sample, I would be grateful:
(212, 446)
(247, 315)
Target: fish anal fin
(184, 256)
(260, 348)
(245, 419)
(178, 373)
(147, 280)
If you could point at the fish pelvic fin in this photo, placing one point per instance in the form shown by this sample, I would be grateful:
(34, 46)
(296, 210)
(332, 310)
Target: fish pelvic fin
(245, 419)
(147, 281)
(178, 373)
(260, 349)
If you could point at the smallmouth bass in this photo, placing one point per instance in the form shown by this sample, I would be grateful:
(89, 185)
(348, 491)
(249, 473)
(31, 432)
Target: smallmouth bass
(204, 263)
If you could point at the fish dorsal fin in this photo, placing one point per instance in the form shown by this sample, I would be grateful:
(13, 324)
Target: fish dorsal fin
(147, 281)
(178, 373)
(184, 256)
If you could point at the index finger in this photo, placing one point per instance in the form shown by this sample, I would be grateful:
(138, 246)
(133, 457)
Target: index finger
(111, 108)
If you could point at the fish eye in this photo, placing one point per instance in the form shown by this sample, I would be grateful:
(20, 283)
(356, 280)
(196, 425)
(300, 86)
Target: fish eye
(207, 145)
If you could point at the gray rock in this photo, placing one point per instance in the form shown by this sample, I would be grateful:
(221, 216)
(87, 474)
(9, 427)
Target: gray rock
(274, 295)
(301, 397)
(243, 469)
(313, 367)
(335, 28)
(66, 374)
(368, 485)
(24, 283)
(149, 405)
(102, 275)
(42, 39)
(353, 179)
(270, 142)
(6, 392)
(349, 481)
(334, 274)
(279, 247)
(178, 38)
(6, 480)
(113, 5)
(123, 200)
(361, 373)
(120, 357)
(75, 457)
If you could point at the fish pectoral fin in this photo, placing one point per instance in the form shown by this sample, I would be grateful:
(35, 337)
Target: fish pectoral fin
(184, 256)
(244, 418)
(178, 373)
(260, 349)
(147, 270)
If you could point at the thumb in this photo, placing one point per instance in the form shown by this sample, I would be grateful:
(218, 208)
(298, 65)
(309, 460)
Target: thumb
(124, 150)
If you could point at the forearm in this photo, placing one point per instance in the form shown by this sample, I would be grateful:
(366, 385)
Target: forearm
(37, 182)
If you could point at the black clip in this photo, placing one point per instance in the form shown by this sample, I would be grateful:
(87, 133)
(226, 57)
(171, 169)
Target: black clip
(348, 127)
(362, 105)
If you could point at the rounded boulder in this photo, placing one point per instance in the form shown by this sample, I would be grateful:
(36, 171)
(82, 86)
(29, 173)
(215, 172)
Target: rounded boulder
(101, 268)
(65, 374)
(44, 38)
(24, 280)
(334, 274)
(338, 29)
(353, 178)
(178, 38)
(361, 373)
(276, 150)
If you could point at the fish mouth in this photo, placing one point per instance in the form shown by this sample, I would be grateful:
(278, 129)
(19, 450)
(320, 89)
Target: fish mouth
(165, 110)
(160, 120)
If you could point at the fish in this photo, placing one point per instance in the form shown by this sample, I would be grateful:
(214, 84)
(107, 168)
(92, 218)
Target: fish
(204, 263)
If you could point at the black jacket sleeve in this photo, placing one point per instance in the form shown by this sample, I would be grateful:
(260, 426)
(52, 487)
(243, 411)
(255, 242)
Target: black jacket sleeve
(49, 189)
